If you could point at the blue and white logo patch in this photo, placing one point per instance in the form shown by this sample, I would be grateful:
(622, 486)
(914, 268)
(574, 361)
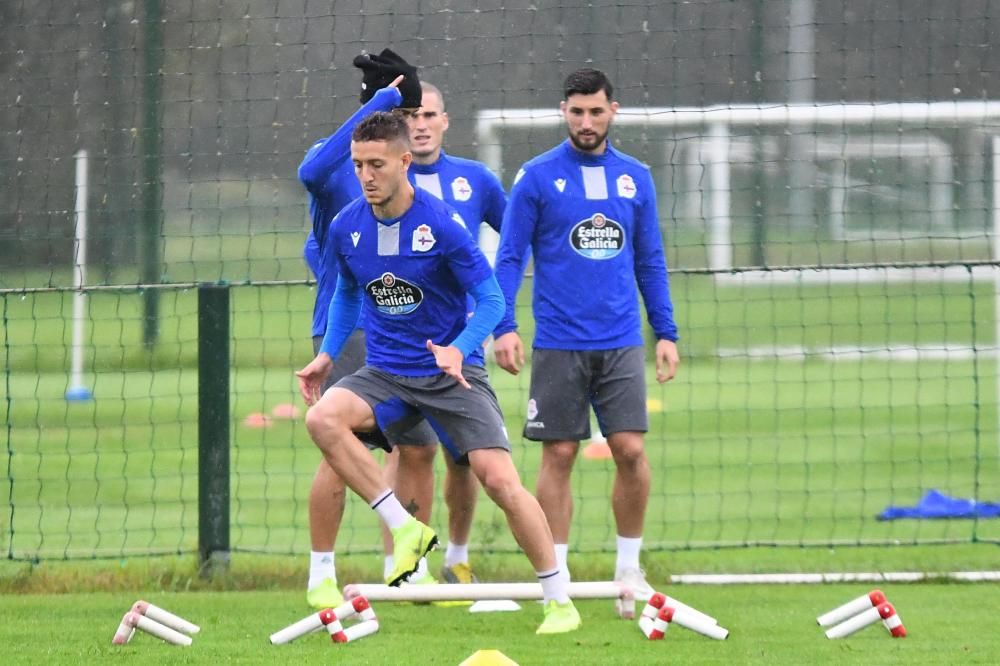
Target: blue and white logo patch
(393, 296)
(597, 237)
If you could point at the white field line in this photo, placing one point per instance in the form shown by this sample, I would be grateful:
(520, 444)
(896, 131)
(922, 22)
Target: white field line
(928, 352)
(859, 577)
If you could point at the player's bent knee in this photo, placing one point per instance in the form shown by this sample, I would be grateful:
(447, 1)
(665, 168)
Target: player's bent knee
(416, 456)
(559, 455)
(630, 453)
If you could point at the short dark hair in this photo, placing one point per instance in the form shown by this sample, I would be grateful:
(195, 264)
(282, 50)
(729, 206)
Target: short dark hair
(382, 126)
(587, 81)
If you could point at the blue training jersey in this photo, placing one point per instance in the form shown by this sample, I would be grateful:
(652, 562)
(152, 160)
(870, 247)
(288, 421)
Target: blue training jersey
(471, 189)
(591, 223)
(468, 186)
(328, 175)
(415, 272)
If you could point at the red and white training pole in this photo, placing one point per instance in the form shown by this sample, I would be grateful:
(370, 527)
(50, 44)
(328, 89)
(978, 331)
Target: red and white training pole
(125, 631)
(357, 606)
(884, 612)
(659, 600)
(852, 608)
(306, 625)
(356, 631)
(134, 620)
(891, 621)
(164, 617)
(694, 623)
(655, 627)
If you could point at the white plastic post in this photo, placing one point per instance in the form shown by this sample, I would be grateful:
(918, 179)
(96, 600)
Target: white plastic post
(480, 591)
(77, 391)
(851, 608)
(165, 617)
(306, 625)
(995, 255)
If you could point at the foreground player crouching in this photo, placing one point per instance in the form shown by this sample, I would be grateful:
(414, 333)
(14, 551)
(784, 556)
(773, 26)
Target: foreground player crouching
(410, 259)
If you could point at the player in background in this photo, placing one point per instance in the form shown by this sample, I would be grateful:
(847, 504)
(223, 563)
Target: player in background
(410, 259)
(328, 175)
(477, 194)
(588, 213)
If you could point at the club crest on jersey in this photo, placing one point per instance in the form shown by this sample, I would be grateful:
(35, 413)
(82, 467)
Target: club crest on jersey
(626, 186)
(460, 189)
(394, 296)
(532, 410)
(597, 237)
(423, 239)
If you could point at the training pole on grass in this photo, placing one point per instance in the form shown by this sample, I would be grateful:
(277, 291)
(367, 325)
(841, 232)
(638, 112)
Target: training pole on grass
(483, 591)
(77, 391)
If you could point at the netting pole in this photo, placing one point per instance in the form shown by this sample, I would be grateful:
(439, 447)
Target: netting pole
(77, 391)
(213, 429)
(151, 158)
(995, 255)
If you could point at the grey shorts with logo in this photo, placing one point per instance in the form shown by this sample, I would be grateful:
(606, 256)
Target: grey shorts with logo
(352, 359)
(565, 382)
(463, 419)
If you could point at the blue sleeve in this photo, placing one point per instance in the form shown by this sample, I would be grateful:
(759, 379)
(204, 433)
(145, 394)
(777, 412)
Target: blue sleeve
(516, 233)
(342, 317)
(487, 313)
(311, 254)
(326, 155)
(651, 268)
(495, 202)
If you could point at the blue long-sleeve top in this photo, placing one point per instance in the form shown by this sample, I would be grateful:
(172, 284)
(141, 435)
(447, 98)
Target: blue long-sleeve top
(413, 275)
(591, 222)
(328, 175)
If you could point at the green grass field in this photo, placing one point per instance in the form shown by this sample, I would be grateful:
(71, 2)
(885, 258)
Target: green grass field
(785, 433)
(804, 444)
(947, 624)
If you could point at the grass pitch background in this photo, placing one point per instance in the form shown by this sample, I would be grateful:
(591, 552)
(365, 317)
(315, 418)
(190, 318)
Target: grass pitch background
(801, 437)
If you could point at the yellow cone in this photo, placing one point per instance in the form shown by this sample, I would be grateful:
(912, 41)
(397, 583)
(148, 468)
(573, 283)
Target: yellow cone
(654, 405)
(488, 658)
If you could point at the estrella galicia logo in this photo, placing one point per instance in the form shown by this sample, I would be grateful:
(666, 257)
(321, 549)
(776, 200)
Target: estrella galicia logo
(394, 296)
(597, 237)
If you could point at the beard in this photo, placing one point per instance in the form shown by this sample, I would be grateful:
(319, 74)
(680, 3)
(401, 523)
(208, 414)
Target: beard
(589, 142)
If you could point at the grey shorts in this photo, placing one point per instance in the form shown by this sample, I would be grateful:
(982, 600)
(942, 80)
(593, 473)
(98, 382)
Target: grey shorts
(352, 359)
(463, 419)
(564, 382)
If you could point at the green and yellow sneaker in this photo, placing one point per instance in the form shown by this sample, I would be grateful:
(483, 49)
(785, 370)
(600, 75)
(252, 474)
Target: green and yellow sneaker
(559, 618)
(410, 543)
(325, 595)
(458, 573)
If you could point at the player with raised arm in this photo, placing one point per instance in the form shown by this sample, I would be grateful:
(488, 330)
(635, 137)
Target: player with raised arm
(588, 214)
(327, 173)
(409, 258)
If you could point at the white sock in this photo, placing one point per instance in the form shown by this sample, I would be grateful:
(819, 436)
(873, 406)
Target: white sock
(456, 554)
(553, 586)
(321, 567)
(562, 552)
(390, 510)
(628, 553)
(390, 563)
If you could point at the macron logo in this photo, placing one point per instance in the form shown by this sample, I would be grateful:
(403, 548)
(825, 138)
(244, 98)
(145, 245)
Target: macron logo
(355, 237)
(560, 184)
